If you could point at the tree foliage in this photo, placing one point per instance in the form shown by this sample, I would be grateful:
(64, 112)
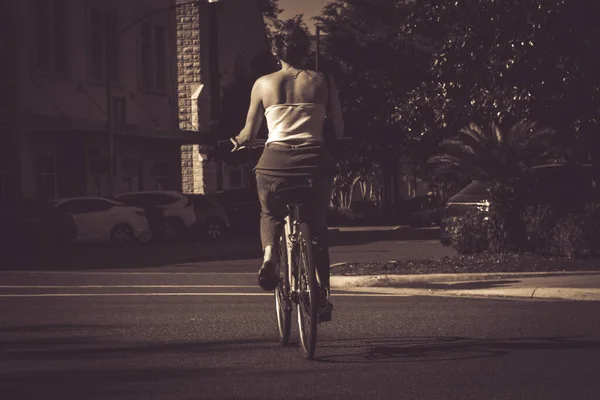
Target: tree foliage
(271, 12)
(501, 159)
(373, 62)
(374, 65)
(504, 61)
(490, 154)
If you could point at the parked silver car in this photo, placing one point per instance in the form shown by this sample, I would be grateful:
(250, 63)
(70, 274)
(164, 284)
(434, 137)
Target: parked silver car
(178, 208)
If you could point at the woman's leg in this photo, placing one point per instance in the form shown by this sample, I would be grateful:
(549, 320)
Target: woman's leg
(323, 190)
(271, 225)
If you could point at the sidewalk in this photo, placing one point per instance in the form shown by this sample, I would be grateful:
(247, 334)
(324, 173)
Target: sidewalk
(582, 286)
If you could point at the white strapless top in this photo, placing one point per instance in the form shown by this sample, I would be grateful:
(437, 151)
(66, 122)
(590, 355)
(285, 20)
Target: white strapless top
(301, 122)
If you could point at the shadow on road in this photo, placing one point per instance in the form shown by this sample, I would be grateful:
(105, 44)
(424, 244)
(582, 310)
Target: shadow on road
(92, 257)
(97, 382)
(78, 341)
(403, 233)
(434, 349)
(240, 247)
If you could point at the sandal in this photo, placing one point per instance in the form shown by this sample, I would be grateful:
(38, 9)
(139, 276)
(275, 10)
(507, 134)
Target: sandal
(267, 276)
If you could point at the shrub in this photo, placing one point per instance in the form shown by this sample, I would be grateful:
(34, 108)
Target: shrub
(539, 221)
(569, 236)
(469, 234)
(506, 229)
(591, 228)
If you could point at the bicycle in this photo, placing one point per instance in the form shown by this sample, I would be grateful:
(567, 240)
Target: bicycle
(299, 281)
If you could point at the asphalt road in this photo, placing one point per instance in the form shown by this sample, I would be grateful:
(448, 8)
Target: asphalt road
(236, 254)
(165, 335)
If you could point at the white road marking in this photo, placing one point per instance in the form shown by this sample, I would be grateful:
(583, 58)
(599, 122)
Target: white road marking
(123, 286)
(187, 294)
(121, 273)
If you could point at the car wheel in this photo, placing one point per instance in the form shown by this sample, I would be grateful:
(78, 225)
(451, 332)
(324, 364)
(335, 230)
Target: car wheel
(122, 234)
(214, 229)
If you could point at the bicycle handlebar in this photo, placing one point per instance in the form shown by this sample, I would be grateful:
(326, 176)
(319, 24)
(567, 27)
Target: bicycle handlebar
(261, 143)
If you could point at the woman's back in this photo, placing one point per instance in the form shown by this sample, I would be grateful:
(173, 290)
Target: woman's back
(294, 86)
(295, 105)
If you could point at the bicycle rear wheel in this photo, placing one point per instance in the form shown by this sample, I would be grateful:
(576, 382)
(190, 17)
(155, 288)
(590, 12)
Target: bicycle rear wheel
(308, 301)
(283, 306)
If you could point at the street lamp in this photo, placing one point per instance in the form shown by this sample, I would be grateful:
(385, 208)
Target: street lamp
(318, 49)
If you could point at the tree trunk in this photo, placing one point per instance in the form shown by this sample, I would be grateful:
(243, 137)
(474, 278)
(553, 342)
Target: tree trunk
(594, 154)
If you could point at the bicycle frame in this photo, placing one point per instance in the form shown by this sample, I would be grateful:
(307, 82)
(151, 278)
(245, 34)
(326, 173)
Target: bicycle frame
(292, 221)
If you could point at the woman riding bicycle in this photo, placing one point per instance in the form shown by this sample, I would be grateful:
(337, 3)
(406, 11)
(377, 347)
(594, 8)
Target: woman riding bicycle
(295, 101)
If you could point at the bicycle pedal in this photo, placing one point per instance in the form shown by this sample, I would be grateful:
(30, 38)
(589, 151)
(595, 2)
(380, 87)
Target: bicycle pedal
(324, 317)
(325, 313)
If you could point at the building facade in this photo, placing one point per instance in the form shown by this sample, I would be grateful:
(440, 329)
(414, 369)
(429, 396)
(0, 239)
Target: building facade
(213, 41)
(66, 126)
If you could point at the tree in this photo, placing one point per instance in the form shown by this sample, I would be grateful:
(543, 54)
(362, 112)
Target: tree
(493, 155)
(271, 12)
(501, 159)
(374, 65)
(504, 61)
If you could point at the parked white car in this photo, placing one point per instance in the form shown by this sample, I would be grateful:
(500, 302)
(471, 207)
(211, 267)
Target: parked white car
(179, 209)
(104, 220)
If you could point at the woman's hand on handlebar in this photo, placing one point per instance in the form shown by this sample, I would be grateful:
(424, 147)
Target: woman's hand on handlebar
(236, 145)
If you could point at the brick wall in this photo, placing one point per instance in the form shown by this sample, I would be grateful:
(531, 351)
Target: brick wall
(188, 59)
(188, 80)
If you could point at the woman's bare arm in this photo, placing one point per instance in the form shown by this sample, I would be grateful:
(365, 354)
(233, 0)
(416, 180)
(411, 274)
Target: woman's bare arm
(255, 117)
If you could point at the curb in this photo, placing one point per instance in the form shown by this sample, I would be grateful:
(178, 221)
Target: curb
(338, 281)
(449, 285)
(572, 294)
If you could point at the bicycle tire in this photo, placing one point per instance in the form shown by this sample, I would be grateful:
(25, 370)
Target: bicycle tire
(308, 301)
(283, 306)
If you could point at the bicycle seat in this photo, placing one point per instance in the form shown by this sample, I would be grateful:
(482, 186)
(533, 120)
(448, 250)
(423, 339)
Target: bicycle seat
(294, 192)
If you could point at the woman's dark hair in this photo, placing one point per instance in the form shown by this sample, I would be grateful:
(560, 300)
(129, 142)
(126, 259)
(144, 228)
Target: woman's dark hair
(291, 43)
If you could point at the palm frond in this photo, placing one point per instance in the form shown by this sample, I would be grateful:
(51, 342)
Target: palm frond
(444, 159)
(497, 133)
(474, 132)
(457, 145)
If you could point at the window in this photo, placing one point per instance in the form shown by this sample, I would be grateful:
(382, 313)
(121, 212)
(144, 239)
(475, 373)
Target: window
(153, 57)
(103, 26)
(45, 177)
(160, 175)
(146, 54)
(4, 157)
(59, 32)
(119, 111)
(160, 58)
(51, 47)
(5, 60)
(130, 171)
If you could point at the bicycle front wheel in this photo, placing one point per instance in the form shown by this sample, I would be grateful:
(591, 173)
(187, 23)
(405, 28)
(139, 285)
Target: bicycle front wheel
(283, 306)
(308, 302)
